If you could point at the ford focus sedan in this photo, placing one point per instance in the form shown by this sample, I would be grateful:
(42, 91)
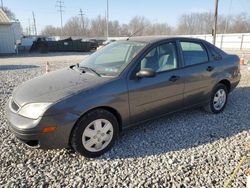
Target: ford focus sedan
(86, 106)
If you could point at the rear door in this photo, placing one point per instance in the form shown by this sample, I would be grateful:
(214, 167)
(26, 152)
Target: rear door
(149, 97)
(197, 72)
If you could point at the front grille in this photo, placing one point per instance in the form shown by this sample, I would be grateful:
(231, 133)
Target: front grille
(14, 105)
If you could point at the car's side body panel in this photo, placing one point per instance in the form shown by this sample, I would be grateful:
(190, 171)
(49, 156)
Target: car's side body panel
(198, 77)
(198, 80)
(112, 94)
(198, 83)
(149, 97)
(135, 100)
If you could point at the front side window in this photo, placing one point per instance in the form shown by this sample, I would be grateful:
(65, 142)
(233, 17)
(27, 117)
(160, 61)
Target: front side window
(160, 58)
(113, 58)
(193, 53)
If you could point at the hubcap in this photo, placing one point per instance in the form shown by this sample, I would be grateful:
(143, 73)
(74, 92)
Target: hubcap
(219, 99)
(97, 135)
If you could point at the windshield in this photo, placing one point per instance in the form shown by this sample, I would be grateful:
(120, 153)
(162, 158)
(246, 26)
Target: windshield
(112, 59)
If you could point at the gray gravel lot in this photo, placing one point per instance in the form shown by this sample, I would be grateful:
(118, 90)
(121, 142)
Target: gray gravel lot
(185, 149)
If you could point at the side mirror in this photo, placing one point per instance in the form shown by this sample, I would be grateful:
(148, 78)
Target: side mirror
(146, 73)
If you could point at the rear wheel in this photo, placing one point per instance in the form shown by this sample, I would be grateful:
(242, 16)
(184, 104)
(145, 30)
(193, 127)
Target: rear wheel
(94, 133)
(218, 99)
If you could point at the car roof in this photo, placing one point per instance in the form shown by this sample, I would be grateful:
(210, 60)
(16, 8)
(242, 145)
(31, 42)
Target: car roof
(153, 39)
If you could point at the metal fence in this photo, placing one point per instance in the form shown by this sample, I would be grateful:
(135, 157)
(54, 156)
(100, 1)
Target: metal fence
(238, 41)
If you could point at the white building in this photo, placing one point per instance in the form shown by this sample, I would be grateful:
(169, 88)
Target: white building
(10, 34)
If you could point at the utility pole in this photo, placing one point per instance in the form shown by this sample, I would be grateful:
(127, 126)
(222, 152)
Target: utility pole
(60, 9)
(2, 4)
(107, 20)
(29, 28)
(215, 21)
(82, 20)
(34, 23)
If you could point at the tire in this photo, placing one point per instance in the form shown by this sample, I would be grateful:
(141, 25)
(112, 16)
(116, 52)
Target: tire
(94, 133)
(213, 106)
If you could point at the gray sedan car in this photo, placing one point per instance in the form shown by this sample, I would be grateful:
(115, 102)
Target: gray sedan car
(87, 105)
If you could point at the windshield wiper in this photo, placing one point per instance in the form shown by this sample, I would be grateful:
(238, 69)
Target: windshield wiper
(89, 69)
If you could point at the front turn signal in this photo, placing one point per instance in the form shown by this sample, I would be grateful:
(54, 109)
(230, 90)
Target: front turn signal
(49, 129)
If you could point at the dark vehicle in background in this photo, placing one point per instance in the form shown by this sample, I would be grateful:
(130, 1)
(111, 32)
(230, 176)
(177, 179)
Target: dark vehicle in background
(66, 45)
(98, 41)
(93, 44)
(87, 105)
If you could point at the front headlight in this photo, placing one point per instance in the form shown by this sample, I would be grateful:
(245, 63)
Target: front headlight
(34, 110)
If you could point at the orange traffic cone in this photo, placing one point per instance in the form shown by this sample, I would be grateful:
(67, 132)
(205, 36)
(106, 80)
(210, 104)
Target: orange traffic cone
(248, 178)
(242, 59)
(47, 67)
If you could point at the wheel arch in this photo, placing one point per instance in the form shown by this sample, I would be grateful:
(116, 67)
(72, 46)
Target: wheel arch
(110, 109)
(227, 83)
(75, 139)
(115, 113)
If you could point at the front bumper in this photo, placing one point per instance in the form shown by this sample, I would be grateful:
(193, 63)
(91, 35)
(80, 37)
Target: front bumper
(34, 137)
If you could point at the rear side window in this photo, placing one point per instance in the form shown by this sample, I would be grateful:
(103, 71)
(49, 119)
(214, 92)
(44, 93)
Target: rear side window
(193, 53)
(215, 53)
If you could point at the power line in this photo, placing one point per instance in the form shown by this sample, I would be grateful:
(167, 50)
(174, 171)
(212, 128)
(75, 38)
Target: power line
(107, 19)
(60, 5)
(81, 14)
(29, 28)
(34, 22)
(82, 20)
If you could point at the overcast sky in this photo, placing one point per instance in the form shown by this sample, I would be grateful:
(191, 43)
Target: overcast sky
(164, 11)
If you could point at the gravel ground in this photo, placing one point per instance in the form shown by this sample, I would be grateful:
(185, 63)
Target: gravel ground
(185, 149)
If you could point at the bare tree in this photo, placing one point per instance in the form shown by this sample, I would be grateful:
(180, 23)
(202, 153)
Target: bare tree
(9, 13)
(114, 29)
(98, 27)
(51, 30)
(124, 30)
(85, 26)
(202, 23)
(73, 27)
(193, 23)
(241, 24)
(138, 25)
(159, 29)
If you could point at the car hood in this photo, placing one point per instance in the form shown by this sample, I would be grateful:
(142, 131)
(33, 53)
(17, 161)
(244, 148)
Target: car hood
(55, 85)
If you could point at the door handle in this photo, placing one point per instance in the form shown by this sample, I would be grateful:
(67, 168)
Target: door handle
(174, 78)
(210, 68)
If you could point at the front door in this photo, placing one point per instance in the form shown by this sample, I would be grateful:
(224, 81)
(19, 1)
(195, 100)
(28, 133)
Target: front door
(149, 97)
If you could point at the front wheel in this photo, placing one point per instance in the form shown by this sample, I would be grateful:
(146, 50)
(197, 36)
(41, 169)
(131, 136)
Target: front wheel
(218, 99)
(94, 133)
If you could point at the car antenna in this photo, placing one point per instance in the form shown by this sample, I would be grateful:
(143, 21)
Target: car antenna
(133, 34)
